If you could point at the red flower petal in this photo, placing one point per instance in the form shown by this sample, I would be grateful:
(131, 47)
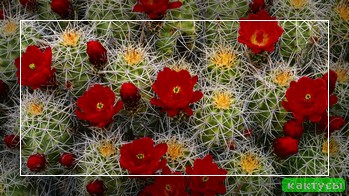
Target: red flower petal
(173, 5)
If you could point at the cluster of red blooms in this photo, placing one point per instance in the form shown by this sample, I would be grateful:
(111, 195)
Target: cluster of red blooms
(63, 8)
(141, 157)
(308, 99)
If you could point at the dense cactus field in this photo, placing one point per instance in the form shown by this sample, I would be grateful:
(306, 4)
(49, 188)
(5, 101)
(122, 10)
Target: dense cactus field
(110, 97)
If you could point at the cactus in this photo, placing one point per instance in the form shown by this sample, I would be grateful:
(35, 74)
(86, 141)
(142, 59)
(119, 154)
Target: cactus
(220, 117)
(46, 124)
(98, 152)
(265, 99)
(134, 64)
(226, 10)
(73, 69)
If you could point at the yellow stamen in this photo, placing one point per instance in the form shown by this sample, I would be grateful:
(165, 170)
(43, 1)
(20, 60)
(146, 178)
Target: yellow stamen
(205, 178)
(176, 89)
(107, 149)
(307, 96)
(9, 28)
(249, 163)
(222, 100)
(283, 78)
(175, 150)
(298, 3)
(133, 56)
(342, 75)
(100, 105)
(70, 38)
(32, 66)
(140, 156)
(343, 11)
(35, 109)
(168, 187)
(256, 38)
(224, 58)
(334, 148)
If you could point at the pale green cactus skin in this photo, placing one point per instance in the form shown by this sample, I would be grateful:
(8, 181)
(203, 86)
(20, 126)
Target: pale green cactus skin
(226, 9)
(46, 128)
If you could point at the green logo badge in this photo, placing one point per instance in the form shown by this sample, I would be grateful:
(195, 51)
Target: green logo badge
(313, 185)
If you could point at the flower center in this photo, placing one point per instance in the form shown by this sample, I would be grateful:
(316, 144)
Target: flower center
(35, 109)
(32, 66)
(224, 58)
(100, 105)
(174, 150)
(343, 11)
(70, 38)
(9, 28)
(168, 187)
(333, 147)
(298, 3)
(342, 75)
(133, 56)
(283, 78)
(107, 150)
(176, 89)
(205, 178)
(249, 163)
(140, 156)
(259, 38)
(222, 100)
(307, 96)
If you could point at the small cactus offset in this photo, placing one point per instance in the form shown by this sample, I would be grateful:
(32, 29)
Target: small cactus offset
(168, 97)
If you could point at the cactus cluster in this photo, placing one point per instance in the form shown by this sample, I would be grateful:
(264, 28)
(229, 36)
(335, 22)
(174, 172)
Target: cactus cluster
(131, 88)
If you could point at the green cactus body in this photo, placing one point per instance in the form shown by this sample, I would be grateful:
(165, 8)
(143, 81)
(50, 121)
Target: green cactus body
(296, 39)
(9, 49)
(252, 162)
(43, 10)
(132, 64)
(219, 118)
(310, 160)
(99, 152)
(226, 9)
(339, 33)
(220, 32)
(341, 90)
(45, 123)
(73, 69)
(176, 37)
(113, 10)
(223, 66)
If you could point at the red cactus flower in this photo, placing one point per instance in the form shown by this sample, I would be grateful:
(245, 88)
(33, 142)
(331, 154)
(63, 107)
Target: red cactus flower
(307, 99)
(285, 146)
(257, 5)
(130, 94)
(2, 15)
(12, 141)
(293, 129)
(336, 123)
(175, 91)
(259, 35)
(97, 105)
(63, 8)
(36, 69)
(97, 53)
(67, 160)
(96, 188)
(206, 185)
(4, 89)
(141, 157)
(167, 185)
(36, 162)
(331, 79)
(155, 9)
